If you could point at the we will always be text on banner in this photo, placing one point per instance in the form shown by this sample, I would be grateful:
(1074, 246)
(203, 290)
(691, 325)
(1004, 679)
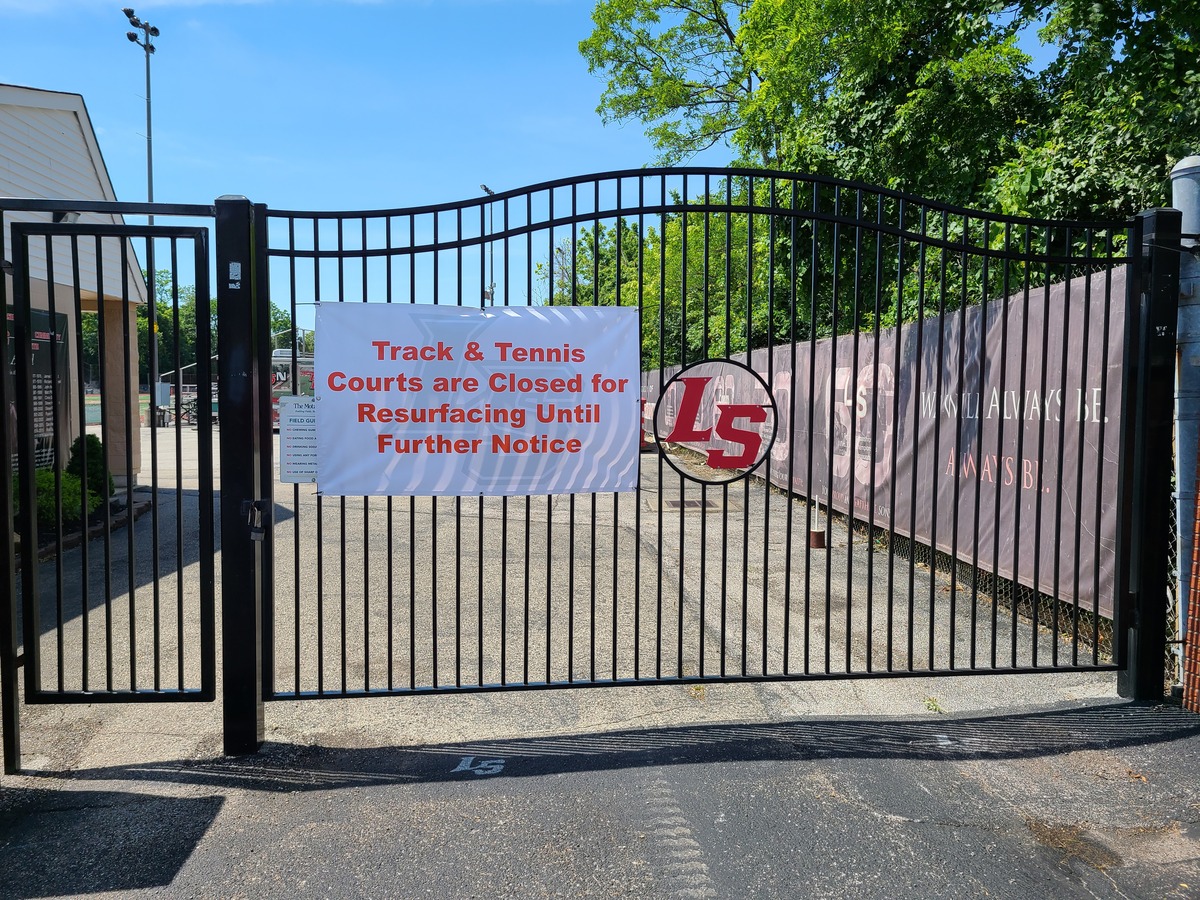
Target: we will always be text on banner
(450, 401)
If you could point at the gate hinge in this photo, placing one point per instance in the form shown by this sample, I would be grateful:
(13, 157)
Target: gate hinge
(253, 510)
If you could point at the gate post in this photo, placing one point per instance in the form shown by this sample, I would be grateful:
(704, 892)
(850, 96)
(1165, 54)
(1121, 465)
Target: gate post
(1156, 308)
(238, 408)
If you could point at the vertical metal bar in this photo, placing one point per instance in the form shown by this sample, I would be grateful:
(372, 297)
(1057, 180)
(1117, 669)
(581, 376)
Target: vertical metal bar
(549, 498)
(479, 597)
(528, 500)
(1089, 253)
(178, 435)
(810, 462)
(265, 495)
(643, 361)
(997, 501)
(366, 520)
(27, 525)
(1026, 291)
(771, 200)
(458, 597)
(705, 351)
(570, 549)
(683, 361)
(873, 479)
(959, 422)
(391, 511)
(297, 514)
(241, 600)
(944, 324)
(745, 625)
(433, 506)
(596, 302)
(412, 501)
(1100, 500)
(504, 500)
(343, 610)
(132, 404)
(725, 487)
(1039, 478)
(897, 370)
(1060, 451)
(85, 488)
(980, 362)
(617, 298)
(10, 709)
(834, 299)
(152, 422)
(662, 332)
(103, 343)
(922, 271)
(503, 576)
(480, 555)
(852, 449)
(549, 581)
(56, 435)
(320, 598)
(789, 528)
(204, 460)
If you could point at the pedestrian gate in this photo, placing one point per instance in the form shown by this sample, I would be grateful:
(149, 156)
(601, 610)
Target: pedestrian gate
(962, 463)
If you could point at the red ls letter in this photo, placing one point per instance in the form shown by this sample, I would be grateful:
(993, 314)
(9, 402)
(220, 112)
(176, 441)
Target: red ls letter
(751, 441)
(688, 416)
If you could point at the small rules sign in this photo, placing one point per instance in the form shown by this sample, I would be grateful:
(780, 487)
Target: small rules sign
(413, 399)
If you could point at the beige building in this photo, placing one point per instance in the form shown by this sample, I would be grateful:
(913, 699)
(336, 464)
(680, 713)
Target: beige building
(48, 150)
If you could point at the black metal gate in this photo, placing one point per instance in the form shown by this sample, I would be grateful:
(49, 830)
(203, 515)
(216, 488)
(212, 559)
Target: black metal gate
(960, 462)
(111, 549)
(869, 543)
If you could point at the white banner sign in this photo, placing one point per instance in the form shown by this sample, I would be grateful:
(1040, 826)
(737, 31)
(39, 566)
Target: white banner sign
(426, 400)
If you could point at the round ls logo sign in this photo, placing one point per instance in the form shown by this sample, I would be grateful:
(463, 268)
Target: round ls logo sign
(722, 409)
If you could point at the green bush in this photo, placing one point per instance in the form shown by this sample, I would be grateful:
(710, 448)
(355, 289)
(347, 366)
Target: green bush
(99, 482)
(72, 498)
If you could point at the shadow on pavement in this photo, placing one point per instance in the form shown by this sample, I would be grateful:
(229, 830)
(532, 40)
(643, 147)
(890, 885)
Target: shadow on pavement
(292, 768)
(80, 842)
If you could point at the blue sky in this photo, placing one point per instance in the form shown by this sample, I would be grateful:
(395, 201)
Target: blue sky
(329, 104)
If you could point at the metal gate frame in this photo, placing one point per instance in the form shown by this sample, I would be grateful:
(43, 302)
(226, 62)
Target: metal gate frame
(243, 254)
(1142, 527)
(198, 683)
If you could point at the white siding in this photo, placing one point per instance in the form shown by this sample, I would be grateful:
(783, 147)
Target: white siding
(48, 150)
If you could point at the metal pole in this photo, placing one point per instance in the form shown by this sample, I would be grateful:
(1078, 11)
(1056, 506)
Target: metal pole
(1156, 308)
(239, 403)
(10, 707)
(151, 273)
(149, 32)
(1185, 197)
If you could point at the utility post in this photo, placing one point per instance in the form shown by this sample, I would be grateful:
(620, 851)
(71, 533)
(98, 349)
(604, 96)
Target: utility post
(1154, 309)
(244, 521)
(1185, 197)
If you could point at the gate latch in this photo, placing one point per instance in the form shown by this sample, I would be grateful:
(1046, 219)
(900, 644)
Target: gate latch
(253, 511)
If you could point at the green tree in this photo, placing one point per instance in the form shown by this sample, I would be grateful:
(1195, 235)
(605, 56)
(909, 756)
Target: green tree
(1124, 106)
(175, 322)
(676, 66)
(925, 96)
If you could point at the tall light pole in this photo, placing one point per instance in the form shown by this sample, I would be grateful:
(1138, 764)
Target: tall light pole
(146, 42)
(490, 293)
